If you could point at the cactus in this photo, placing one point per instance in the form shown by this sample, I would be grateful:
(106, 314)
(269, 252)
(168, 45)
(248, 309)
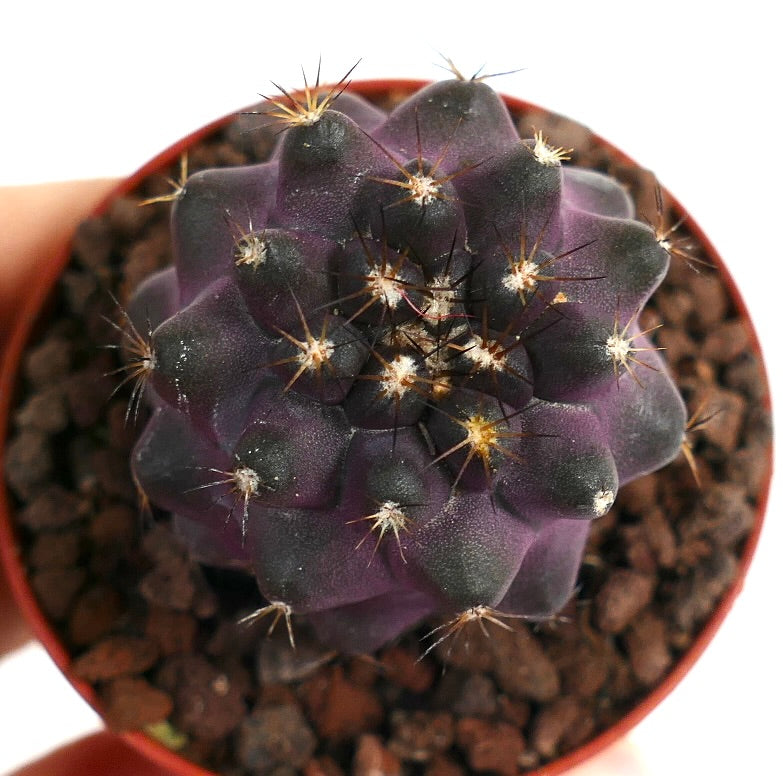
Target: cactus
(397, 370)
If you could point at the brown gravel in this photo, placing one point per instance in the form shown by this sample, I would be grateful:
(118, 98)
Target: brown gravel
(116, 656)
(86, 392)
(553, 722)
(45, 411)
(584, 666)
(56, 589)
(48, 362)
(275, 736)
(322, 766)
(29, 462)
(208, 701)
(474, 695)
(442, 765)
(648, 648)
(372, 758)
(174, 632)
(405, 668)
(710, 302)
(93, 243)
(419, 736)
(624, 594)
(114, 527)
(55, 549)
(130, 703)
(94, 614)
(52, 507)
(521, 666)
(489, 747)
(339, 709)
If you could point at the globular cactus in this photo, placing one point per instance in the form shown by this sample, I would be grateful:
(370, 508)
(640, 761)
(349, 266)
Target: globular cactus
(396, 370)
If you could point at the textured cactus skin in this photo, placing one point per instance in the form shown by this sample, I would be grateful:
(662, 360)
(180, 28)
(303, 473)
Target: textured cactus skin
(360, 398)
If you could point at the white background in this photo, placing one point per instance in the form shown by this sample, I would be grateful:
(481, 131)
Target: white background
(687, 89)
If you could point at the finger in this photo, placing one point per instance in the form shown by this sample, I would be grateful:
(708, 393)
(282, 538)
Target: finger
(35, 223)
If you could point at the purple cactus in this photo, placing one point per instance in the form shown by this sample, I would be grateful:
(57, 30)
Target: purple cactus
(397, 369)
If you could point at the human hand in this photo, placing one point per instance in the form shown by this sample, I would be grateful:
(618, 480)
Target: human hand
(35, 222)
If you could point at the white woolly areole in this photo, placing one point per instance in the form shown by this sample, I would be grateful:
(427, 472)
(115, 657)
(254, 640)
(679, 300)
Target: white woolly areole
(315, 353)
(246, 481)
(602, 501)
(390, 517)
(618, 348)
(250, 249)
(521, 277)
(548, 155)
(384, 287)
(309, 117)
(483, 356)
(399, 374)
(423, 189)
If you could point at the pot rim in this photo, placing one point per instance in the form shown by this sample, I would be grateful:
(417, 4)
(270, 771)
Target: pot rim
(23, 328)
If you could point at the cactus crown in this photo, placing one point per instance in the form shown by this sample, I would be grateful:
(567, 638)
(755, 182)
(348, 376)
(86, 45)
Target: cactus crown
(396, 370)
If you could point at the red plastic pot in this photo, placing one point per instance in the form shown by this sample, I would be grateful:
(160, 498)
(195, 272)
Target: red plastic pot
(104, 750)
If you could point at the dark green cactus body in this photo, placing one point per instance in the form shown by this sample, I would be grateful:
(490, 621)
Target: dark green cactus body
(394, 372)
